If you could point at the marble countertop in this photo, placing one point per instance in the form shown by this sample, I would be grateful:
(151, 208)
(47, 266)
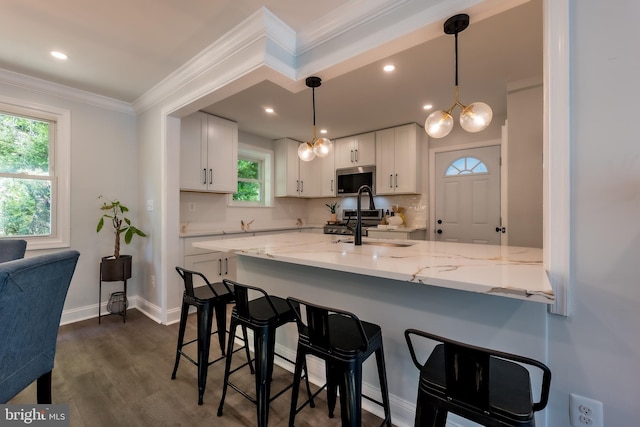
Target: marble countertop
(513, 272)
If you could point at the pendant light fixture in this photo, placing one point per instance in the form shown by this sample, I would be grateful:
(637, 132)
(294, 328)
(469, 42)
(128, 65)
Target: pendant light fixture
(320, 147)
(474, 117)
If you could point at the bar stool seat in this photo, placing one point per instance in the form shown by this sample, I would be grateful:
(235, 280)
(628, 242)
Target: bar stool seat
(214, 297)
(263, 316)
(344, 342)
(485, 386)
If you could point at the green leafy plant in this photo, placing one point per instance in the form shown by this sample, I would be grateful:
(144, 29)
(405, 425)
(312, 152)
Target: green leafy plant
(332, 206)
(121, 224)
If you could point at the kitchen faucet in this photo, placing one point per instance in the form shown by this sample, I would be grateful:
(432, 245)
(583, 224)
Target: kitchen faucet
(358, 231)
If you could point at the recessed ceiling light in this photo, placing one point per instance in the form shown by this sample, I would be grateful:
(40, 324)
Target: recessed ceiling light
(427, 107)
(269, 110)
(389, 68)
(323, 131)
(59, 55)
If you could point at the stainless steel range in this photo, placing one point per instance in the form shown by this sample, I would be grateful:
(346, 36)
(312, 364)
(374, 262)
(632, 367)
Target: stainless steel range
(370, 218)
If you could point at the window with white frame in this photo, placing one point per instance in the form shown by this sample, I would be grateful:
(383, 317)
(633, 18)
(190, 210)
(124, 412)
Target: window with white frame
(255, 170)
(34, 174)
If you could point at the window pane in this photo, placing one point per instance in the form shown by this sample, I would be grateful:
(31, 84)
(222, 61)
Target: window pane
(465, 166)
(248, 192)
(24, 145)
(248, 169)
(25, 207)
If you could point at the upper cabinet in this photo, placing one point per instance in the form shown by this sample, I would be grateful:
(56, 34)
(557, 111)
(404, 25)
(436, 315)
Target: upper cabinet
(357, 150)
(398, 153)
(295, 178)
(208, 154)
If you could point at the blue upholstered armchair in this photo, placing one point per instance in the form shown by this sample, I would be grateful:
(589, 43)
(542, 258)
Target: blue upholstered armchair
(12, 249)
(32, 294)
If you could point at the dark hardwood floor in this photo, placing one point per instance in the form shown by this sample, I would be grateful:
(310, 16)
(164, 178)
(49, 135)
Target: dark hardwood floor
(116, 374)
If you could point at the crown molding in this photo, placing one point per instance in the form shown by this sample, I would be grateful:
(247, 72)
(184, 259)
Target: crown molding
(261, 25)
(61, 91)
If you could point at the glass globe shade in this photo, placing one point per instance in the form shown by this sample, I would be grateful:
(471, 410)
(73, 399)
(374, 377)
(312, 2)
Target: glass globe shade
(322, 147)
(305, 152)
(438, 124)
(476, 117)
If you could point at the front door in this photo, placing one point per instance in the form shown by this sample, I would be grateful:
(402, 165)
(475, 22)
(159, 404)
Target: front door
(467, 195)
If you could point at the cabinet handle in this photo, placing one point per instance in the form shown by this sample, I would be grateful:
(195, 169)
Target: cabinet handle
(297, 185)
(356, 151)
(204, 176)
(332, 185)
(220, 267)
(352, 158)
(226, 266)
(390, 181)
(210, 176)
(396, 180)
(301, 186)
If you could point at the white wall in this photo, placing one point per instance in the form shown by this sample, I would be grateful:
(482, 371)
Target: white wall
(524, 222)
(104, 156)
(596, 352)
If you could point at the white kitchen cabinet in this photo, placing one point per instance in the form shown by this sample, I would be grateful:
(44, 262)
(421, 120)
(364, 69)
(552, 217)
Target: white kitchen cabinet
(208, 154)
(357, 150)
(327, 176)
(294, 178)
(214, 265)
(398, 160)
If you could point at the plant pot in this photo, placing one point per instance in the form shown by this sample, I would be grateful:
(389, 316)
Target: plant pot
(115, 269)
(334, 218)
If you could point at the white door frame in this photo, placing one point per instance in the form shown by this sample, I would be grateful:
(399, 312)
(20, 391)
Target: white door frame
(432, 178)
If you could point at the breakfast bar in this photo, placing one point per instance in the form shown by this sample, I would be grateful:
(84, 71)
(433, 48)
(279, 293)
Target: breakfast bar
(486, 295)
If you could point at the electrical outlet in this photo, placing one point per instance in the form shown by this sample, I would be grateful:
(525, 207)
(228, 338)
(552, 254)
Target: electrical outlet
(585, 412)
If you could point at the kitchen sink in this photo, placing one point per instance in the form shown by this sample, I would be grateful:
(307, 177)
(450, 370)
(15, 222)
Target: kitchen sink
(379, 243)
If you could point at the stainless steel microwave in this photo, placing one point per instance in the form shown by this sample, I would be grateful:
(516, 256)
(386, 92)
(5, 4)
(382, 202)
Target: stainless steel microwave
(349, 180)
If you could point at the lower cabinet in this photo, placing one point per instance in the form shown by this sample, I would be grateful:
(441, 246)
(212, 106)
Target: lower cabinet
(214, 265)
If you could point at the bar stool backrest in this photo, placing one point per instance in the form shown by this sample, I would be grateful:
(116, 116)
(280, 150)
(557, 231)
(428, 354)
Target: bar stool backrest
(316, 326)
(243, 308)
(467, 370)
(187, 278)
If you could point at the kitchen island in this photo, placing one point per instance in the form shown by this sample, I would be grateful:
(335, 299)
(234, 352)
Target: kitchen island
(485, 295)
(512, 272)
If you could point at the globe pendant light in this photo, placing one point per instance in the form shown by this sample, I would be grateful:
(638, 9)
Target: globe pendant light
(474, 117)
(320, 147)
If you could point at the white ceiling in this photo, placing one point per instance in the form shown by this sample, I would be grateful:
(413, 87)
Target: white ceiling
(123, 48)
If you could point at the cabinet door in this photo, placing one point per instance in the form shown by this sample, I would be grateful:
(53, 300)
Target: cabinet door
(406, 159)
(309, 173)
(343, 149)
(287, 168)
(385, 170)
(365, 149)
(328, 176)
(209, 264)
(222, 155)
(193, 152)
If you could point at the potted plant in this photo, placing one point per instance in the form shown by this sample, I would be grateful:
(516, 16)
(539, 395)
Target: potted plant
(117, 267)
(332, 208)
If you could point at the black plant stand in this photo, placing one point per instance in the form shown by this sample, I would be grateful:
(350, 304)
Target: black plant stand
(114, 270)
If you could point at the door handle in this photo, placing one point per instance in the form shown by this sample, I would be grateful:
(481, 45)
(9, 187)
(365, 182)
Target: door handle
(501, 230)
(439, 231)
(439, 221)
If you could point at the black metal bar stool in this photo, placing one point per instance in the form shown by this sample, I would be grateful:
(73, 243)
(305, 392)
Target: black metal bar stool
(263, 316)
(344, 342)
(206, 299)
(485, 386)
